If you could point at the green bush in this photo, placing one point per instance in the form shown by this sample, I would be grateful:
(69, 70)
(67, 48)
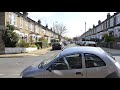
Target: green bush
(38, 45)
(44, 42)
(33, 45)
(22, 43)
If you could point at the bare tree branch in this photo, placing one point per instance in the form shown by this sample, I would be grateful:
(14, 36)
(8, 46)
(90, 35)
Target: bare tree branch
(59, 28)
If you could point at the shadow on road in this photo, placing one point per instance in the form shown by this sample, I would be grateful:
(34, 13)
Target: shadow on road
(12, 57)
(54, 50)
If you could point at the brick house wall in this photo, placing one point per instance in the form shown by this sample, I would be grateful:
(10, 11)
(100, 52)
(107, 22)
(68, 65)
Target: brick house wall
(2, 26)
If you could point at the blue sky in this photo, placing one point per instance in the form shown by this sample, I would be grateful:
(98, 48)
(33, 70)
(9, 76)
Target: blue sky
(74, 21)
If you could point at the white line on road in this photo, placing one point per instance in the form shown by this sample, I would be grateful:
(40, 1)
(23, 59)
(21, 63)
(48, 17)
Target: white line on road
(1, 74)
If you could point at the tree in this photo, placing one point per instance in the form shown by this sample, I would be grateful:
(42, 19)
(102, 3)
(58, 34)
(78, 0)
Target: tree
(60, 29)
(76, 38)
(67, 38)
(9, 37)
(108, 39)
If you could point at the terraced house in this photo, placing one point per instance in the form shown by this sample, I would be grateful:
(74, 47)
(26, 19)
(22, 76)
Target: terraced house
(28, 30)
(111, 25)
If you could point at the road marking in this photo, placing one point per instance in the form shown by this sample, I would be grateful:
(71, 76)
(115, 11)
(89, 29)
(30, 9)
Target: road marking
(1, 74)
(14, 74)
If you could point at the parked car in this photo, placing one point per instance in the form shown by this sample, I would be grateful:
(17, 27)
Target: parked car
(57, 45)
(76, 62)
(83, 43)
(90, 43)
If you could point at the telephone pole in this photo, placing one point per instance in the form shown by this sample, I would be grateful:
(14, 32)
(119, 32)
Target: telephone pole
(85, 31)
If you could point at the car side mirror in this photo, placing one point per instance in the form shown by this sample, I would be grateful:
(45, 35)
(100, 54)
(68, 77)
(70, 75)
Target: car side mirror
(49, 69)
(114, 58)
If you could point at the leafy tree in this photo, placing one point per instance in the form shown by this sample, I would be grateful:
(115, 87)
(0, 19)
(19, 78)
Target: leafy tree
(9, 37)
(109, 39)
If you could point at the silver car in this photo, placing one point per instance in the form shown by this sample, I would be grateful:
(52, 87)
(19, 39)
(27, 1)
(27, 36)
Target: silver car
(76, 62)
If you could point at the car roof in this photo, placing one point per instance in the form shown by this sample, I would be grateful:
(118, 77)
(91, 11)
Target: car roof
(84, 49)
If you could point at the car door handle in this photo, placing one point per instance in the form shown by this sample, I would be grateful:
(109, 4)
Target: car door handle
(78, 73)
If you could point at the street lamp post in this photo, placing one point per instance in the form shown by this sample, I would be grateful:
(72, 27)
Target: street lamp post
(85, 31)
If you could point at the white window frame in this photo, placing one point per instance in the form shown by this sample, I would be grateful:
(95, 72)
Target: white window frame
(36, 29)
(21, 22)
(108, 24)
(118, 19)
(31, 26)
(14, 19)
(26, 25)
(10, 18)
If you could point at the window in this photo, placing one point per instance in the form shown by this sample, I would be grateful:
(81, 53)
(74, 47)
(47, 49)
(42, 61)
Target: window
(92, 60)
(74, 61)
(31, 27)
(111, 22)
(59, 65)
(108, 24)
(21, 22)
(26, 25)
(10, 18)
(118, 19)
(36, 29)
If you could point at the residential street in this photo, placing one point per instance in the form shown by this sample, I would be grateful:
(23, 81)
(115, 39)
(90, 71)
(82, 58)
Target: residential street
(29, 37)
(12, 67)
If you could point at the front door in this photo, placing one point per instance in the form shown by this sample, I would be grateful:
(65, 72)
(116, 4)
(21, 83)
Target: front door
(67, 67)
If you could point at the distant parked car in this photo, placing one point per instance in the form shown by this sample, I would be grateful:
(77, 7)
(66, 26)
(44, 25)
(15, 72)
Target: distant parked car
(83, 43)
(76, 62)
(90, 43)
(57, 45)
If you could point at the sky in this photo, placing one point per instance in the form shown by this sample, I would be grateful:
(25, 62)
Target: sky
(74, 21)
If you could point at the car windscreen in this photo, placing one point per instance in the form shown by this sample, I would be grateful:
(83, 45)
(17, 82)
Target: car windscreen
(46, 61)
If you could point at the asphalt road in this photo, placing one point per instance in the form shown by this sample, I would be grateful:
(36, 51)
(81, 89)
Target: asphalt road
(12, 67)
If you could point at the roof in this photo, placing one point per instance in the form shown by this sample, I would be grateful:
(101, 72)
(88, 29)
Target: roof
(84, 49)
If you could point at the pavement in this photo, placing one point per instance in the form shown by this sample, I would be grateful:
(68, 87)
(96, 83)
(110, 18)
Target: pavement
(45, 50)
(112, 51)
(34, 53)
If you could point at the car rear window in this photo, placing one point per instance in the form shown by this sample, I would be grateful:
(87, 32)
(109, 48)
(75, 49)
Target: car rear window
(110, 55)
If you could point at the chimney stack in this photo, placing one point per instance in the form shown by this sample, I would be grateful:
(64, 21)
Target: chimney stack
(99, 22)
(25, 14)
(46, 26)
(108, 15)
(51, 29)
(39, 21)
(93, 26)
